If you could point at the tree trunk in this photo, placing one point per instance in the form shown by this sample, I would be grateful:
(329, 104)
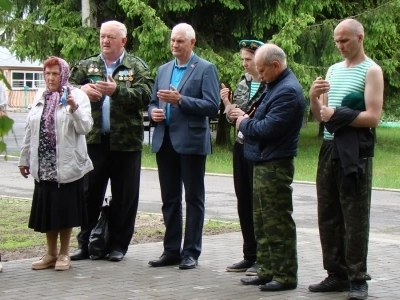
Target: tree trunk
(88, 13)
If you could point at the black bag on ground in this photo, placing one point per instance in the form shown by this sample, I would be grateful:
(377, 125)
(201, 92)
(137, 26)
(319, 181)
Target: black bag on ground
(99, 237)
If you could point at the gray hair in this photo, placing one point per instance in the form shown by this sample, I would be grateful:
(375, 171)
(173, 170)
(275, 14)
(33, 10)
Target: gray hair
(189, 31)
(270, 53)
(121, 27)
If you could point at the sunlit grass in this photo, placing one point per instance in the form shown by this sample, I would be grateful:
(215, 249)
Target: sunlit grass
(15, 234)
(386, 162)
(386, 165)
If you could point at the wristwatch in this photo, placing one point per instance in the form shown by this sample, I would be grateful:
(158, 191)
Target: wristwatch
(180, 101)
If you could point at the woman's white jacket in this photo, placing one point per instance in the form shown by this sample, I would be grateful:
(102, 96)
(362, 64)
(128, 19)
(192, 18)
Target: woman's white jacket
(73, 161)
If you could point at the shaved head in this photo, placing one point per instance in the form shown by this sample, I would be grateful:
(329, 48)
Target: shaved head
(349, 39)
(351, 24)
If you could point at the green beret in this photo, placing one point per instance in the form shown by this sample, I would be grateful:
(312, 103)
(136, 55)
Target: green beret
(250, 44)
(354, 100)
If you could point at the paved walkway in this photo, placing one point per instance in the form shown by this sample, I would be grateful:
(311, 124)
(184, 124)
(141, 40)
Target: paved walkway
(132, 278)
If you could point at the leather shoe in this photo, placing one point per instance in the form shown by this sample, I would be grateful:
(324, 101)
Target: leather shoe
(254, 280)
(274, 286)
(115, 256)
(80, 254)
(188, 262)
(164, 261)
(63, 263)
(47, 261)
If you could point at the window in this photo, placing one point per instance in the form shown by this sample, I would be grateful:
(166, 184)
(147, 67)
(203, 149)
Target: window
(33, 80)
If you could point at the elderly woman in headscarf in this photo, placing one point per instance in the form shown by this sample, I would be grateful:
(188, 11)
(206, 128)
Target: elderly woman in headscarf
(54, 152)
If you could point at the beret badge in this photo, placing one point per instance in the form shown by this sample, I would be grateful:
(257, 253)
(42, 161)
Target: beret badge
(250, 44)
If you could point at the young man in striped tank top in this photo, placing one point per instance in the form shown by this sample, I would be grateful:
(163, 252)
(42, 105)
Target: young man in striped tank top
(343, 218)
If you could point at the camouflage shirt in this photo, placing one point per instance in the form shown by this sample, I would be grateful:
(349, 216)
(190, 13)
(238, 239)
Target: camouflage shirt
(241, 96)
(131, 97)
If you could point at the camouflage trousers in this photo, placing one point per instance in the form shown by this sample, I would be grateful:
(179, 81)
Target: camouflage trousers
(343, 220)
(274, 226)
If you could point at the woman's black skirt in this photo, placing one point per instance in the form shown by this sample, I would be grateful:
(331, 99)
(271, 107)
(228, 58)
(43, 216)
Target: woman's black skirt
(58, 206)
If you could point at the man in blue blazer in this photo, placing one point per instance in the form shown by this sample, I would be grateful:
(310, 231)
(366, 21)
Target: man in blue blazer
(185, 94)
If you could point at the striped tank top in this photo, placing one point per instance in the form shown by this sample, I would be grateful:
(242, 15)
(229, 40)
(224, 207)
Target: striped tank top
(254, 86)
(343, 81)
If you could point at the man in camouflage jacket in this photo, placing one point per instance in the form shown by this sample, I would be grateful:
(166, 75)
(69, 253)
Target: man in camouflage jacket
(119, 87)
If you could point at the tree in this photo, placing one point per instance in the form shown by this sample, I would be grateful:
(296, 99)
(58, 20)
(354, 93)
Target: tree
(40, 28)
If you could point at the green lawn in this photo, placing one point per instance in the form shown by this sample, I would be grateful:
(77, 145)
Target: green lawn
(16, 236)
(386, 168)
(386, 161)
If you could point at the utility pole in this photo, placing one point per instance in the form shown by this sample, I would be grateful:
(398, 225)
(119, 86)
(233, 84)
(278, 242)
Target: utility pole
(88, 13)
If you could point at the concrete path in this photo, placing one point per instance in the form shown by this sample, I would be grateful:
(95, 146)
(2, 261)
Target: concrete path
(132, 278)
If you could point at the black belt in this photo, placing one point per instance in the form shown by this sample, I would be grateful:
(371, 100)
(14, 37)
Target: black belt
(46, 183)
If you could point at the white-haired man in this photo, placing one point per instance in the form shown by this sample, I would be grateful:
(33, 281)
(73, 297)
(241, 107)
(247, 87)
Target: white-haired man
(188, 89)
(119, 87)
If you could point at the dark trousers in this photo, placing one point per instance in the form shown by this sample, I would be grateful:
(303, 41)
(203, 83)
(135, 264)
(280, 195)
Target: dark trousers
(173, 170)
(274, 226)
(343, 220)
(122, 168)
(243, 182)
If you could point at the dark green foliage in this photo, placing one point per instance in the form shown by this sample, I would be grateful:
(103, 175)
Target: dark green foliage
(304, 29)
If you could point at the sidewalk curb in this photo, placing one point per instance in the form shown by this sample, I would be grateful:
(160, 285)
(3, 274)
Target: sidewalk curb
(16, 158)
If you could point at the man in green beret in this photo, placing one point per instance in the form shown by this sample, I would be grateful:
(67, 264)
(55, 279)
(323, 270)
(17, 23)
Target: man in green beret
(247, 93)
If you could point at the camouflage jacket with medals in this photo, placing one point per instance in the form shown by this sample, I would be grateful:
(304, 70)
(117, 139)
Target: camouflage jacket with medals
(131, 97)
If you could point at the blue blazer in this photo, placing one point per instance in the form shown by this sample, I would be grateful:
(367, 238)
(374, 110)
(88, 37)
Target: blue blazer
(189, 125)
